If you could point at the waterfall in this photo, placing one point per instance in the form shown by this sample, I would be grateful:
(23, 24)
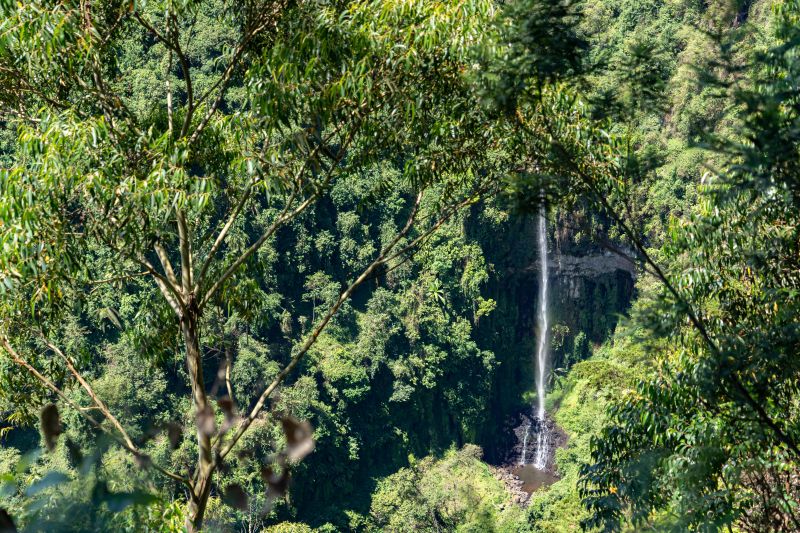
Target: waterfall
(525, 445)
(540, 420)
(542, 447)
(542, 439)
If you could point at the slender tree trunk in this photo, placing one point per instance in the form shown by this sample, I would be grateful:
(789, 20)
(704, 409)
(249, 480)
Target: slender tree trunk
(197, 503)
(205, 422)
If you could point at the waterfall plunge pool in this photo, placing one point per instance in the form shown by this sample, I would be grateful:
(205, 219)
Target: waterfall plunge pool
(532, 478)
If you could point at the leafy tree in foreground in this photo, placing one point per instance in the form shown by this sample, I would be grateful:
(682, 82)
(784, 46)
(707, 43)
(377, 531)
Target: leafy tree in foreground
(713, 440)
(161, 145)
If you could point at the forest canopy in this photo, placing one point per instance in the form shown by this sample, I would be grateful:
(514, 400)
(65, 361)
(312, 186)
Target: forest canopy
(267, 265)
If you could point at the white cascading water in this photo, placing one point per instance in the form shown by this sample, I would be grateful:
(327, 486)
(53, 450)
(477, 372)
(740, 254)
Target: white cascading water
(542, 438)
(525, 445)
(542, 435)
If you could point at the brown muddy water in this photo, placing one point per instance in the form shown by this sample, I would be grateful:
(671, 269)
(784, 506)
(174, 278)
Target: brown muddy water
(532, 478)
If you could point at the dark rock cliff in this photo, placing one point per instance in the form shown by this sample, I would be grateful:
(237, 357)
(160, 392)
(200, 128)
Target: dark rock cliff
(589, 288)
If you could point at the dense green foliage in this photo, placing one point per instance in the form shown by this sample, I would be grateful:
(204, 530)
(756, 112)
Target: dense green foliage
(714, 437)
(208, 236)
(457, 492)
(270, 265)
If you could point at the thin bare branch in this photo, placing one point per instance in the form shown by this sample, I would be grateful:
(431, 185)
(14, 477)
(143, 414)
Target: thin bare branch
(186, 253)
(285, 216)
(221, 85)
(228, 366)
(172, 41)
(152, 29)
(243, 200)
(187, 76)
(443, 219)
(46, 381)
(88, 388)
(167, 81)
(50, 385)
(223, 81)
(166, 264)
(246, 422)
(222, 234)
(170, 292)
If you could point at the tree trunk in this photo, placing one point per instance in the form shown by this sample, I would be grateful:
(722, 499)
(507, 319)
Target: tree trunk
(204, 470)
(196, 509)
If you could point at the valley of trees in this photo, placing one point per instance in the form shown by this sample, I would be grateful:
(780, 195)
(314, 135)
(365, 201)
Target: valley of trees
(271, 265)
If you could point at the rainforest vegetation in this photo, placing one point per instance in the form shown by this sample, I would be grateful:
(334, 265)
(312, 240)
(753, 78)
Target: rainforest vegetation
(273, 265)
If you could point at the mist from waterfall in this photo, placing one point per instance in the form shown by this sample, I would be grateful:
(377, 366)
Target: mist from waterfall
(542, 438)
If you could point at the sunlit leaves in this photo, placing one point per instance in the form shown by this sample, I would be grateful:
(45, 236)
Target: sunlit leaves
(314, 88)
(111, 185)
(720, 419)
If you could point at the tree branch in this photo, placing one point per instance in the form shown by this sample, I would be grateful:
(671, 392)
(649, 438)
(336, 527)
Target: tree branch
(169, 95)
(444, 218)
(382, 259)
(224, 80)
(166, 264)
(49, 384)
(279, 221)
(285, 216)
(385, 256)
(228, 366)
(96, 399)
(186, 254)
(187, 77)
(222, 234)
(170, 292)
(172, 42)
(240, 205)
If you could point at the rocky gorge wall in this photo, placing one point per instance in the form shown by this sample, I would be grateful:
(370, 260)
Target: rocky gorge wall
(589, 288)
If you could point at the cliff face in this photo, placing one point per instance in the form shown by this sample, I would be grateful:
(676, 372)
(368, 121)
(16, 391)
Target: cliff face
(589, 288)
(588, 294)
